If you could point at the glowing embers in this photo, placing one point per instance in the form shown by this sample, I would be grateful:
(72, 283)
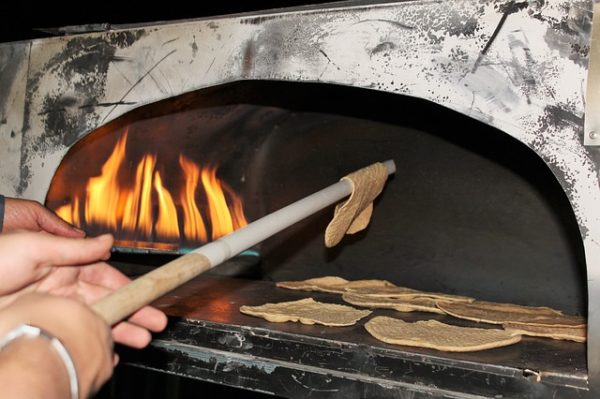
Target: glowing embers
(133, 202)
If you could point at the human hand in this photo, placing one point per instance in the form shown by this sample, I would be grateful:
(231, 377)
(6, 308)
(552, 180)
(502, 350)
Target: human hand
(22, 214)
(83, 333)
(71, 267)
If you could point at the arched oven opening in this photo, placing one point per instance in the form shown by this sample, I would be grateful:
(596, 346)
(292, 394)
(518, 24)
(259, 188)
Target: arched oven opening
(470, 211)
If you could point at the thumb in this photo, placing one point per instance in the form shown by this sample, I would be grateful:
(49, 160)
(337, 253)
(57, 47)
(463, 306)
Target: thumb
(62, 251)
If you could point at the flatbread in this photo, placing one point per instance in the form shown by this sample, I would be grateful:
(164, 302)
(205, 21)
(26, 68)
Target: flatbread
(502, 313)
(333, 284)
(307, 311)
(366, 284)
(312, 284)
(354, 214)
(399, 304)
(403, 292)
(577, 334)
(435, 335)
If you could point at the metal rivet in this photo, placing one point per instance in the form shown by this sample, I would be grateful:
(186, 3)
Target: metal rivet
(593, 135)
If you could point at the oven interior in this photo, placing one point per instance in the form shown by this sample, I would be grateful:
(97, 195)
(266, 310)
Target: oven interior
(470, 210)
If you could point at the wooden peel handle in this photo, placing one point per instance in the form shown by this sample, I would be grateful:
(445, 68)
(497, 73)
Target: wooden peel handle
(126, 300)
(145, 289)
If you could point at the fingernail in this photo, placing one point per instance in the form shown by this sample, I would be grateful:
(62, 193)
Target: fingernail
(105, 237)
(78, 230)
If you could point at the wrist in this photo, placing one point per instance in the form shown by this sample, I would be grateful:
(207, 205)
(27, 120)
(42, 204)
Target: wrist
(32, 333)
(83, 332)
(30, 367)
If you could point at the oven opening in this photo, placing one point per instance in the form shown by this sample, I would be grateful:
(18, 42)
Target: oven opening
(150, 184)
(470, 210)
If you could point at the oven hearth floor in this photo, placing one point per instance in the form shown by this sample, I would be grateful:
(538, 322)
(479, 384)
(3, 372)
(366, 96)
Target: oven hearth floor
(209, 339)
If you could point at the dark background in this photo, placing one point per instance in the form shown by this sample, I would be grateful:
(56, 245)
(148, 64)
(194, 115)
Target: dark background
(29, 20)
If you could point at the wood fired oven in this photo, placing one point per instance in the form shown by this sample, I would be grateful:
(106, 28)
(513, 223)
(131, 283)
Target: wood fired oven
(482, 105)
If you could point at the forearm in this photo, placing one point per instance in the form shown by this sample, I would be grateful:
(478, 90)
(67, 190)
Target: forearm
(31, 368)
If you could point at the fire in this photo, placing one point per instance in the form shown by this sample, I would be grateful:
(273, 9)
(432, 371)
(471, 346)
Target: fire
(147, 211)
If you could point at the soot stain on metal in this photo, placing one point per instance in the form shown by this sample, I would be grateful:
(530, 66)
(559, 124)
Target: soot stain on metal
(235, 340)
(506, 10)
(555, 120)
(523, 72)
(216, 360)
(9, 68)
(194, 47)
(81, 70)
(260, 20)
(84, 62)
(569, 35)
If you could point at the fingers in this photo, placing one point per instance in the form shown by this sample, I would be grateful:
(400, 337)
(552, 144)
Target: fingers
(104, 279)
(22, 214)
(28, 257)
(49, 222)
(104, 275)
(136, 331)
(150, 318)
(60, 251)
(131, 335)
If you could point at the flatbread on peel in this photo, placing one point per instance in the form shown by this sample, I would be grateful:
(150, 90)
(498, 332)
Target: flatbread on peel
(333, 284)
(307, 311)
(435, 335)
(399, 304)
(403, 292)
(502, 313)
(354, 215)
(577, 334)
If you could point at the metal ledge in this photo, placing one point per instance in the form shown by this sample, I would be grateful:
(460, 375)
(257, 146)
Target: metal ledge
(208, 339)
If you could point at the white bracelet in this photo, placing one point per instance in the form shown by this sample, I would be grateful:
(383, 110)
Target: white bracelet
(34, 332)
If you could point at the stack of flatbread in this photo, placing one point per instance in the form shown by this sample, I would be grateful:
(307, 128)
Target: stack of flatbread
(516, 320)
(523, 320)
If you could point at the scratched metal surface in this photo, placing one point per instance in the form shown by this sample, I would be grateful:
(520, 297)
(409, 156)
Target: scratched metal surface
(214, 335)
(518, 66)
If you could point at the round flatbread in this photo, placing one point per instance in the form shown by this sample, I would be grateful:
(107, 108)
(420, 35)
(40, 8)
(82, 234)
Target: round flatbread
(501, 313)
(403, 292)
(332, 284)
(398, 304)
(577, 334)
(307, 311)
(435, 335)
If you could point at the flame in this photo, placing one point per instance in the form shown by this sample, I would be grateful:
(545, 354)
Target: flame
(147, 210)
(193, 223)
(102, 194)
(166, 223)
(70, 212)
